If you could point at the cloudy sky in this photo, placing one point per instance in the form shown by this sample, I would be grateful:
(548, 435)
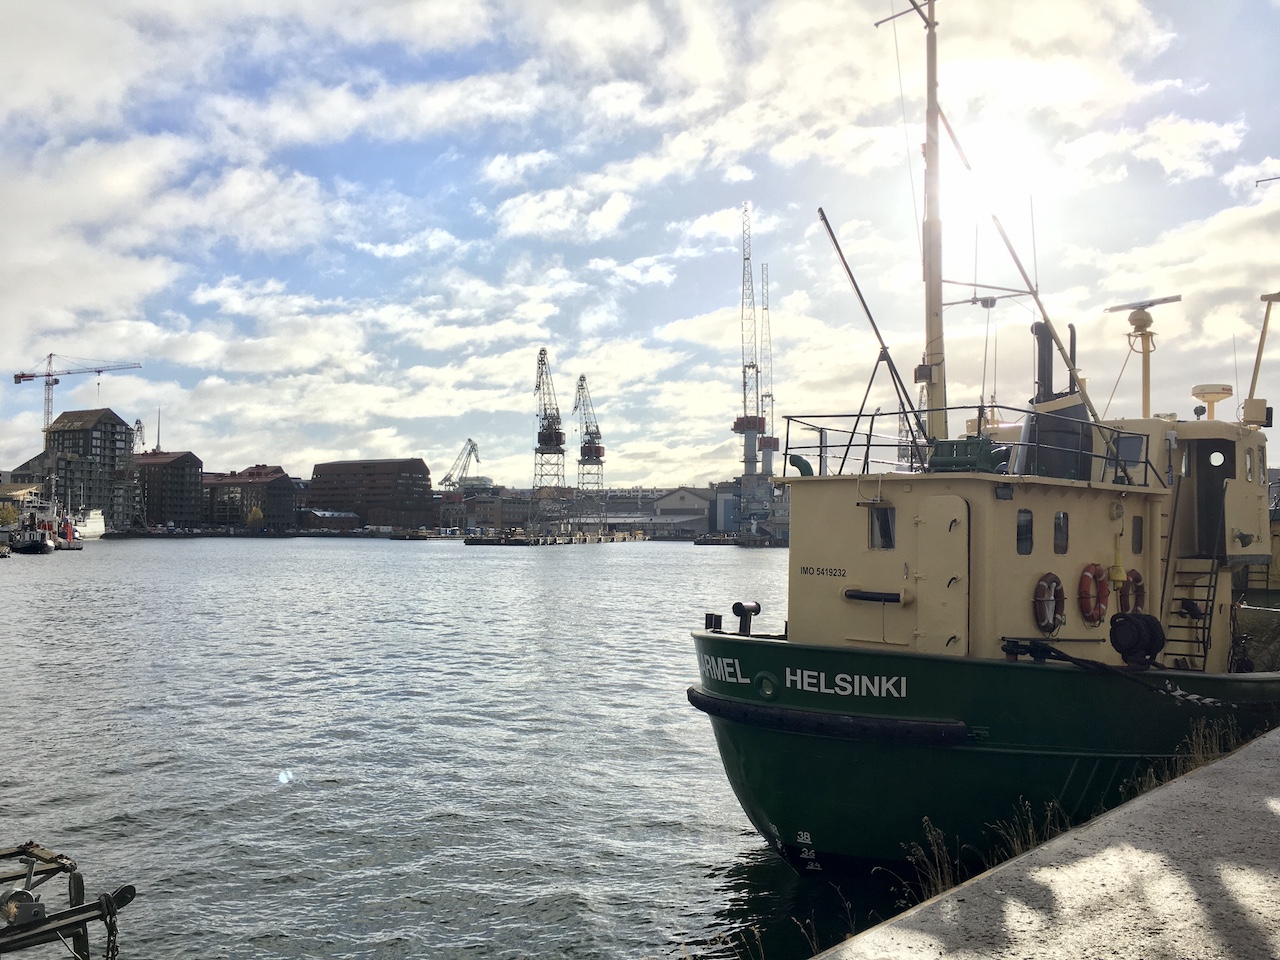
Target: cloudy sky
(344, 228)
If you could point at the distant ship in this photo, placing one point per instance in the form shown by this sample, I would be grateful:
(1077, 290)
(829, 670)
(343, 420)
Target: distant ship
(89, 524)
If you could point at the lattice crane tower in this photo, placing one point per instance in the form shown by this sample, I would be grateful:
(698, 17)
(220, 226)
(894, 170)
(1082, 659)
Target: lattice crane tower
(548, 455)
(768, 442)
(591, 503)
(749, 424)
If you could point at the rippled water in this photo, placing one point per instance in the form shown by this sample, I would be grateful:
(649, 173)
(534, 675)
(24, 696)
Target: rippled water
(372, 748)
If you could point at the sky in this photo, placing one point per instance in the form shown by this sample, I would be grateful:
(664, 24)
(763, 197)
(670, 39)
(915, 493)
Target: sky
(343, 229)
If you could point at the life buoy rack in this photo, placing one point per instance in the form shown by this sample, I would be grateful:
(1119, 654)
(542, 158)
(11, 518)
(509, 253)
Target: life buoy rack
(1049, 605)
(1095, 591)
(1133, 593)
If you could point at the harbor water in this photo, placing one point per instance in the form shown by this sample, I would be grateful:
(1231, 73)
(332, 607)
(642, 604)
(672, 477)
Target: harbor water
(375, 748)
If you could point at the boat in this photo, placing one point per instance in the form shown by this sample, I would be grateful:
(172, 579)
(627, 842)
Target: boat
(32, 541)
(89, 524)
(1026, 616)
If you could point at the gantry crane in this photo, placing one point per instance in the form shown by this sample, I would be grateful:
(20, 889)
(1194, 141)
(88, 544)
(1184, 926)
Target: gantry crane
(51, 379)
(453, 479)
(548, 455)
(591, 506)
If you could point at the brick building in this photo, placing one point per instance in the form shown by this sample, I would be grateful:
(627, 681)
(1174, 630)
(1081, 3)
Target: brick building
(170, 488)
(230, 498)
(385, 493)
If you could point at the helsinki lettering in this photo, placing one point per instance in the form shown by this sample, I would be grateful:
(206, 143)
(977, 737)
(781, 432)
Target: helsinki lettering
(845, 685)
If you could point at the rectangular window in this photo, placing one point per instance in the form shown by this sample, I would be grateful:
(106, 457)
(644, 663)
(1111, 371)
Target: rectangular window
(1060, 532)
(1137, 536)
(1024, 532)
(882, 524)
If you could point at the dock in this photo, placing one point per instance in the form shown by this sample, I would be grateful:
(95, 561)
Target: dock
(1190, 869)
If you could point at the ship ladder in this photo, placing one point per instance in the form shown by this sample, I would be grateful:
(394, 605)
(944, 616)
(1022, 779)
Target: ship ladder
(1189, 624)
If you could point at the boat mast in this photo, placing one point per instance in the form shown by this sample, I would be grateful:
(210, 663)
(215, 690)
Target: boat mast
(933, 372)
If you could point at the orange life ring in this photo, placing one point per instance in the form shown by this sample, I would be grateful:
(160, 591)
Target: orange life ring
(1049, 605)
(1133, 593)
(1095, 591)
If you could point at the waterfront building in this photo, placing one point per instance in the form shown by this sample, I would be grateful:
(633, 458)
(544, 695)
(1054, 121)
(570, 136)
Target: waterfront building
(496, 512)
(231, 498)
(170, 488)
(684, 512)
(390, 493)
(87, 463)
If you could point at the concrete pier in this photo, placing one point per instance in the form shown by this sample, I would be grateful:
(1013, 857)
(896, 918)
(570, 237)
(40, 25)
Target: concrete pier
(1189, 870)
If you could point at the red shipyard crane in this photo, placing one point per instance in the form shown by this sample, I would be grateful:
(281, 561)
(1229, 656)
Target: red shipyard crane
(548, 455)
(51, 378)
(591, 505)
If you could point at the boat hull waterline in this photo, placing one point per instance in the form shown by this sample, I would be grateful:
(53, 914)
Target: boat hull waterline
(838, 755)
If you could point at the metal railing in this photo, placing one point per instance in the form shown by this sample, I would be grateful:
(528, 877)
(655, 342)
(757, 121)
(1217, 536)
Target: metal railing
(1008, 440)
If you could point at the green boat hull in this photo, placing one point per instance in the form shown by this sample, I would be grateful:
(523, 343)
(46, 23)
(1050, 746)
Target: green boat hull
(838, 755)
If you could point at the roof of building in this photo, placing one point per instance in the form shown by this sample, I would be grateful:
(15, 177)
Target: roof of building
(254, 476)
(19, 491)
(85, 419)
(160, 457)
(369, 464)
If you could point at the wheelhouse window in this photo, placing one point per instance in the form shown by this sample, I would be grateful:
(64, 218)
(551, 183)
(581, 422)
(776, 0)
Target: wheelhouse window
(1024, 532)
(882, 527)
(1060, 532)
(1248, 464)
(1136, 526)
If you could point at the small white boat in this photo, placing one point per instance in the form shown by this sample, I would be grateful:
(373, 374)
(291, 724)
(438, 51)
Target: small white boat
(89, 524)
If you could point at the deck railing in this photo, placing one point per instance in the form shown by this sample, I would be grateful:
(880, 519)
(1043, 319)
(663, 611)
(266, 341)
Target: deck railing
(1002, 440)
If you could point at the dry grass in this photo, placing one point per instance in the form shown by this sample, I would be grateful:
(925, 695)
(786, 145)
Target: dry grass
(939, 868)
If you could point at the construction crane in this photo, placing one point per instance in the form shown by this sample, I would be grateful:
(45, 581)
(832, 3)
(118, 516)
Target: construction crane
(51, 378)
(768, 442)
(548, 455)
(458, 472)
(591, 505)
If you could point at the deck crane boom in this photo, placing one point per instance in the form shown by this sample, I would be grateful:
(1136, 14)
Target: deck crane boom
(548, 455)
(458, 472)
(51, 379)
(591, 505)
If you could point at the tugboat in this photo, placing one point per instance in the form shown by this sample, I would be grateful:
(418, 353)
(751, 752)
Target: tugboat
(1027, 616)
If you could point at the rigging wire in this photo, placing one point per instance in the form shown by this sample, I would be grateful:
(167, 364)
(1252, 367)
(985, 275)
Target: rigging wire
(906, 137)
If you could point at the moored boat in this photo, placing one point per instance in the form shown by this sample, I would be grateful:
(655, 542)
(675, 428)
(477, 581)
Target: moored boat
(32, 542)
(89, 524)
(1029, 615)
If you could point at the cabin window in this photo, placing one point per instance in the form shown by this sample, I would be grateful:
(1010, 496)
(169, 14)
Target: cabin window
(1024, 532)
(1059, 532)
(1186, 461)
(1248, 464)
(1262, 465)
(882, 528)
(1135, 525)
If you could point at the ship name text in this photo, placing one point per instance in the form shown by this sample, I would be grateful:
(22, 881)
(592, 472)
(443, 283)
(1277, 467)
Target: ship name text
(846, 685)
(724, 669)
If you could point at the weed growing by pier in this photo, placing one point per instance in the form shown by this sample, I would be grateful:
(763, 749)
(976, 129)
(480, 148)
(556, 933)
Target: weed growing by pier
(938, 867)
